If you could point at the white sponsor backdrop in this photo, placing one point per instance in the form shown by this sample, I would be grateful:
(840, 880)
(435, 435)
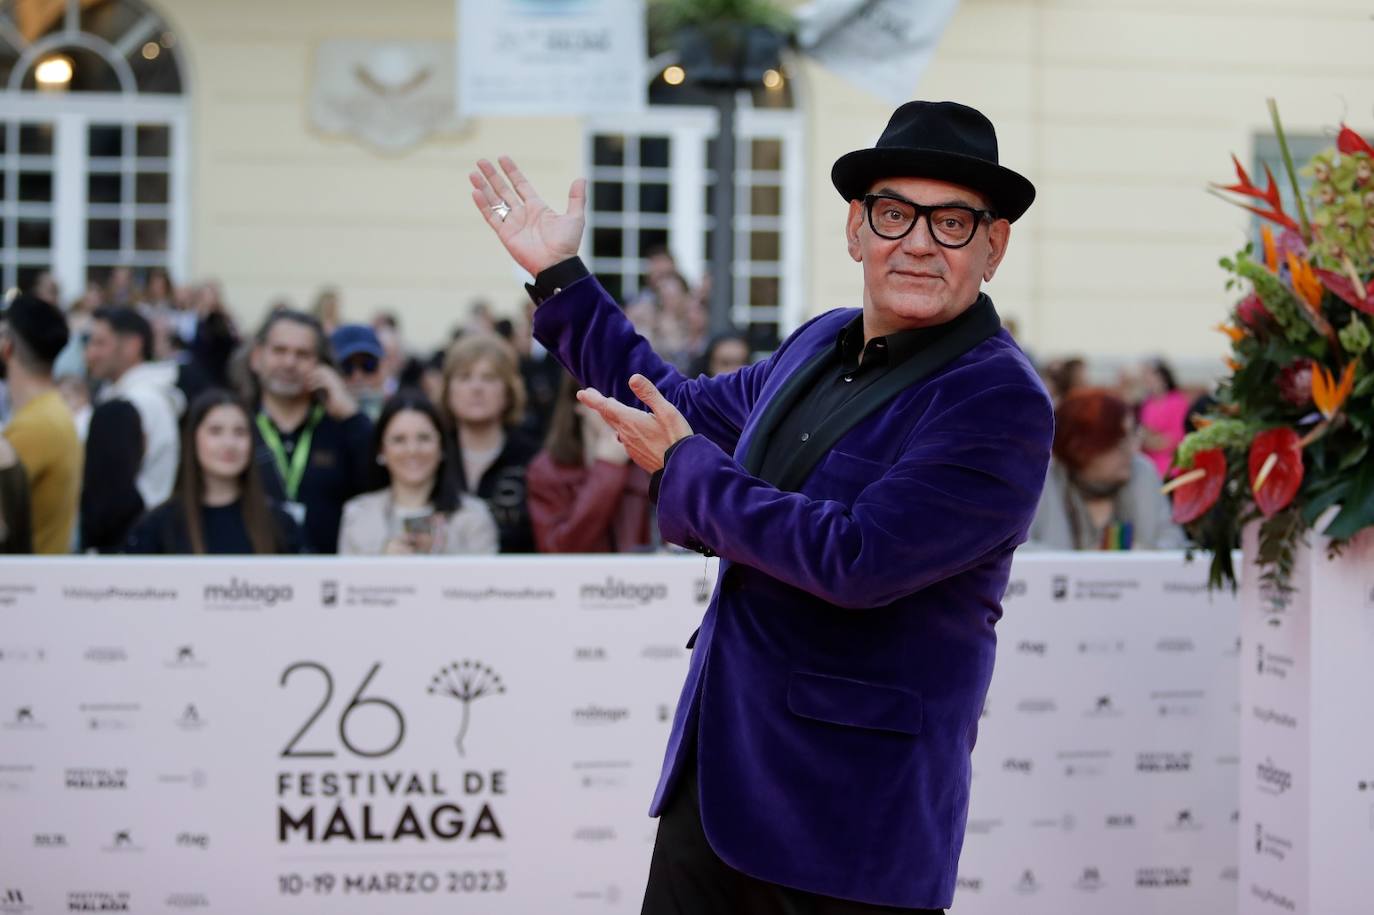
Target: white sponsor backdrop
(484, 736)
(1307, 745)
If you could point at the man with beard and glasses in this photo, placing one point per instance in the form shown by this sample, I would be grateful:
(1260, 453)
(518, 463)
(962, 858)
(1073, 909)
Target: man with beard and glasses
(1102, 492)
(312, 442)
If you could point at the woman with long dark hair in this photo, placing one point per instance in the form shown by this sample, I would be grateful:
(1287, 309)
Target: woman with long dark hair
(218, 505)
(417, 506)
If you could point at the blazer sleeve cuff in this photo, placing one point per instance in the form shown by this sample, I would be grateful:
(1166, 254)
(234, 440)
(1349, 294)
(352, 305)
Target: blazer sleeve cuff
(555, 279)
(692, 457)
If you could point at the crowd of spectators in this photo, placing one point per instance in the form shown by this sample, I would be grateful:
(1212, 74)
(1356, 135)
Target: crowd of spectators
(141, 419)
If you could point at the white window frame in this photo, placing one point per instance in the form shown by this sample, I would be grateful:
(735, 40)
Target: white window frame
(71, 115)
(689, 128)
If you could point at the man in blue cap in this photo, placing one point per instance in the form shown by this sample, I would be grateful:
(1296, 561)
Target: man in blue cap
(358, 352)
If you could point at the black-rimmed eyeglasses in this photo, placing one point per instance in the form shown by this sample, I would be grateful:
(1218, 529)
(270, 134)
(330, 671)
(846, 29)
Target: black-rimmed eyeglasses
(951, 226)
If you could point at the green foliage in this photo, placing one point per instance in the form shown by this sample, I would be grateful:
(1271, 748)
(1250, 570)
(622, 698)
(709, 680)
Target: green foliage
(1278, 299)
(668, 16)
(1355, 337)
(1222, 433)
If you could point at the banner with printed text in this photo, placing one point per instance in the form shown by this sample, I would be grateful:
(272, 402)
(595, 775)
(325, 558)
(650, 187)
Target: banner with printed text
(314, 736)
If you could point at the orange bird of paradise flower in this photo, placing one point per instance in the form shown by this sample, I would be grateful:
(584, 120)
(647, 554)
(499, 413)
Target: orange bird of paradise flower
(1271, 250)
(1327, 393)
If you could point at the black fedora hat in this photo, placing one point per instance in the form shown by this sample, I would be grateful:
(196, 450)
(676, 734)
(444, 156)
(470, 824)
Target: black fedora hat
(941, 140)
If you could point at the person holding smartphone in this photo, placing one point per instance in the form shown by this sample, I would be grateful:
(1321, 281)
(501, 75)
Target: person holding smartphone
(417, 507)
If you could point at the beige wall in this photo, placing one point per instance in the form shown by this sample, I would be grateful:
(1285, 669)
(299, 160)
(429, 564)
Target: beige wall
(1120, 110)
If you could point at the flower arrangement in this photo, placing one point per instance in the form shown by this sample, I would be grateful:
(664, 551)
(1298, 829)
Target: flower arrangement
(1290, 435)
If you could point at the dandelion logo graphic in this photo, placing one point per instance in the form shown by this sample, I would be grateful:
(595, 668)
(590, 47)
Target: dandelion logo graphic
(466, 681)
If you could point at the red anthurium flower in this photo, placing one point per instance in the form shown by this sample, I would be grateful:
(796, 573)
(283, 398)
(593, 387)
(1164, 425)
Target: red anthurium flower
(1275, 469)
(1348, 141)
(1193, 498)
(1344, 288)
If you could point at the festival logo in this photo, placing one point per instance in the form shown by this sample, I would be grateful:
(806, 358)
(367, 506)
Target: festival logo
(339, 806)
(1157, 762)
(96, 779)
(98, 902)
(465, 682)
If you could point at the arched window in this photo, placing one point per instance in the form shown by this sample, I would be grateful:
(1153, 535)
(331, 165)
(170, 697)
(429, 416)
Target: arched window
(93, 134)
(651, 179)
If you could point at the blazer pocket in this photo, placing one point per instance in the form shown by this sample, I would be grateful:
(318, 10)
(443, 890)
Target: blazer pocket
(841, 475)
(854, 703)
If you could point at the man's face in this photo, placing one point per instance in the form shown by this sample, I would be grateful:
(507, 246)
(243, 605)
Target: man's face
(914, 281)
(283, 361)
(108, 355)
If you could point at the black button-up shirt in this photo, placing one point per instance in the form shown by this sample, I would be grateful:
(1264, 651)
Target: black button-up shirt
(852, 367)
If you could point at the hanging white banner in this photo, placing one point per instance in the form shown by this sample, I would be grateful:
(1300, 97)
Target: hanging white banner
(882, 46)
(550, 57)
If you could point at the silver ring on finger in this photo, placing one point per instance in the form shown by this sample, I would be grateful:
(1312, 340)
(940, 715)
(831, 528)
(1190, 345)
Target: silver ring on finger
(502, 210)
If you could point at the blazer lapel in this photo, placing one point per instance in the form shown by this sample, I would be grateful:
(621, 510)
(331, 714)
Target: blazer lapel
(777, 407)
(960, 335)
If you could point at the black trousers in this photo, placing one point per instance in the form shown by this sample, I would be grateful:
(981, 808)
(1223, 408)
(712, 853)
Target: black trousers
(687, 878)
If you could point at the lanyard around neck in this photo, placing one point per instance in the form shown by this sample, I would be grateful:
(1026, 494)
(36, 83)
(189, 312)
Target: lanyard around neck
(291, 472)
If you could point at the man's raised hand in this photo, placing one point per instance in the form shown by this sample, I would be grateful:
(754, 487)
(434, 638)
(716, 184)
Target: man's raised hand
(536, 236)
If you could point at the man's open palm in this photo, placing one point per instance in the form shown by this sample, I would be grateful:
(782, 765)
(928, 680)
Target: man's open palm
(535, 235)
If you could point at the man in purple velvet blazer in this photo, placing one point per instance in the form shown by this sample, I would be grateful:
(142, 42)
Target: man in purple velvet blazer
(864, 488)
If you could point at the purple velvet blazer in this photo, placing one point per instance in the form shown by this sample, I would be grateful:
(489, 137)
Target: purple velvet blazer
(837, 679)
